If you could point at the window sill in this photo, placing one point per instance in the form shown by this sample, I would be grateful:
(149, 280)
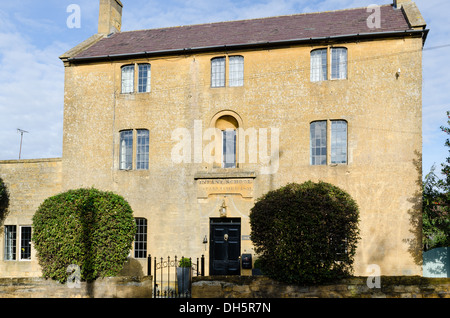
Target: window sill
(142, 171)
(223, 173)
(135, 93)
(329, 80)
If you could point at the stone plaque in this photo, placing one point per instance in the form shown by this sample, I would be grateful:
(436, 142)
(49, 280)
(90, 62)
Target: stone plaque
(206, 187)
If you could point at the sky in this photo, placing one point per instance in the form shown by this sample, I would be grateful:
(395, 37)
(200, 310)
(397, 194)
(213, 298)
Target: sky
(33, 34)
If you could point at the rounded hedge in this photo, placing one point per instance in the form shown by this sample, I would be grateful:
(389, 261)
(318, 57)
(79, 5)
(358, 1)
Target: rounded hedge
(84, 227)
(305, 233)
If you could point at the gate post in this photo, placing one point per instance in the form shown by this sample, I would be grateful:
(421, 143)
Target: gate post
(149, 265)
(154, 279)
(203, 265)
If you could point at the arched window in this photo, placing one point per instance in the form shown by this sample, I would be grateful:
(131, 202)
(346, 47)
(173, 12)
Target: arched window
(228, 125)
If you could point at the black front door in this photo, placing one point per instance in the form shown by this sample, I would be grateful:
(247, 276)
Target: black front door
(225, 246)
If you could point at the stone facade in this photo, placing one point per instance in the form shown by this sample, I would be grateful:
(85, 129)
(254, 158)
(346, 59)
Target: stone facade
(380, 100)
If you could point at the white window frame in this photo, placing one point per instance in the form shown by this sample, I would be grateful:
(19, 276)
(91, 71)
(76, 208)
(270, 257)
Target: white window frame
(330, 63)
(323, 143)
(333, 147)
(127, 79)
(141, 238)
(319, 65)
(236, 71)
(339, 58)
(142, 149)
(144, 87)
(10, 250)
(233, 66)
(339, 142)
(126, 152)
(218, 72)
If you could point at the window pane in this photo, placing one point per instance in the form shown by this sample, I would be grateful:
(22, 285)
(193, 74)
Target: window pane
(25, 242)
(218, 72)
(319, 143)
(128, 79)
(229, 148)
(10, 243)
(338, 63)
(144, 78)
(319, 65)
(140, 239)
(236, 71)
(339, 141)
(142, 151)
(126, 150)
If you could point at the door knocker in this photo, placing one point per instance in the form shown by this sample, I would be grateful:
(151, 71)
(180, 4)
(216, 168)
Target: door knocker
(225, 237)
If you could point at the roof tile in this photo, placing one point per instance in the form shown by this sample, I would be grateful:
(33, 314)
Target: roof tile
(245, 32)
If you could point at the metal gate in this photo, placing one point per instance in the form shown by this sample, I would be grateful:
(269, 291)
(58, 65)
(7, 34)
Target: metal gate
(170, 280)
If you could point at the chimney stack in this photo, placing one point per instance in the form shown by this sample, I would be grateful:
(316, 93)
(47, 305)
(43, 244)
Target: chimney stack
(399, 3)
(110, 16)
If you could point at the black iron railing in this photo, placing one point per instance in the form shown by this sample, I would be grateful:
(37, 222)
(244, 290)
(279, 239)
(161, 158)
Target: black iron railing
(170, 280)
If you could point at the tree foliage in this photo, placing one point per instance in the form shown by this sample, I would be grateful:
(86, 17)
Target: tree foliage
(4, 201)
(436, 204)
(88, 228)
(305, 233)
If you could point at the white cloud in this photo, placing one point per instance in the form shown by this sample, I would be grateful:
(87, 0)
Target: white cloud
(31, 96)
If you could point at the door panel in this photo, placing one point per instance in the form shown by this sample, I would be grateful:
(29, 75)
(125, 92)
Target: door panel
(225, 248)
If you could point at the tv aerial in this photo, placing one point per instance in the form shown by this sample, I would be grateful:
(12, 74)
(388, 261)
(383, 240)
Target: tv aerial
(21, 131)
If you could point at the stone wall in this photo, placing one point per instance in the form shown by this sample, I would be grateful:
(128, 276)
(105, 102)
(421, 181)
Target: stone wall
(263, 287)
(29, 183)
(112, 287)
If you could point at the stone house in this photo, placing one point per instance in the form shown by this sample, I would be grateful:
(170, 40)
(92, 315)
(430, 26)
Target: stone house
(192, 124)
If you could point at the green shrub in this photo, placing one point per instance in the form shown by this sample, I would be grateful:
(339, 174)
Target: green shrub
(305, 233)
(85, 227)
(185, 262)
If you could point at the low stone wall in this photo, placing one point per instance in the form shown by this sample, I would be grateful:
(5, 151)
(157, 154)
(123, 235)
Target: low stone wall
(112, 287)
(263, 287)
